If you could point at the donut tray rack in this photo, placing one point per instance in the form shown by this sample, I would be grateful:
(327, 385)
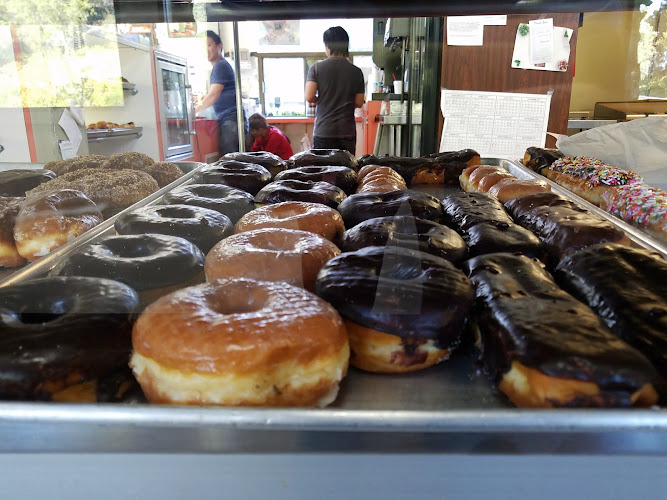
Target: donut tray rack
(450, 408)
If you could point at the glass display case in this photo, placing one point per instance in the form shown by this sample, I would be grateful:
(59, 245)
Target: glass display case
(447, 433)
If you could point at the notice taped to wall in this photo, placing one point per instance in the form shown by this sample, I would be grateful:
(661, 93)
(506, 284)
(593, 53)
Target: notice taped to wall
(495, 124)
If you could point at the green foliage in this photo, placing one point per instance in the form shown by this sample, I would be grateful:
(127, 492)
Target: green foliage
(60, 12)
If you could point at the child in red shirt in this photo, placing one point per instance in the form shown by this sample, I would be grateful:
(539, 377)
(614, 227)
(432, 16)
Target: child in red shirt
(268, 138)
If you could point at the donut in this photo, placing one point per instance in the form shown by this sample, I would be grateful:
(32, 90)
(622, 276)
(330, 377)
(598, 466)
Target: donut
(375, 169)
(152, 264)
(201, 226)
(131, 160)
(463, 210)
(343, 177)
(273, 163)
(61, 167)
(249, 177)
(641, 205)
(493, 236)
(164, 172)
(363, 206)
(477, 175)
(111, 190)
(308, 191)
(537, 158)
(588, 177)
(50, 219)
(326, 157)
(59, 332)
(407, 232)
(272, 254)
(9, 209)
(312, 217)
(404, 310)
(547, 349)
(232, 202)
(492, 178)
(380, 185)
(240, 342)
(510, 188)
(16, 182)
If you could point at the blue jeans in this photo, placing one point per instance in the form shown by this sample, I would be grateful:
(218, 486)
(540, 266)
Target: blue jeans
(228, 139)
(346, 143)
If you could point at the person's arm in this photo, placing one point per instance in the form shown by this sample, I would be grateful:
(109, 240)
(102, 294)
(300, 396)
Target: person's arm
(358, 100)
(210, 98)
(311, 92)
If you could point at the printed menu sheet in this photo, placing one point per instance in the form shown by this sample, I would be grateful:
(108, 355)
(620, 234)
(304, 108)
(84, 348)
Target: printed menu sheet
(495, 124)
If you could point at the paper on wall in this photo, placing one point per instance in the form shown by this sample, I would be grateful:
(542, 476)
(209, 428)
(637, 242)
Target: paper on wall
(71, 129)
(541, 41)
(561, 50)
(494, 20)
(497, 124)
(465, 30)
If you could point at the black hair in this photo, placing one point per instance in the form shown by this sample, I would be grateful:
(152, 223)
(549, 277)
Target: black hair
(337, 39)
(257, 121)
(214, 36)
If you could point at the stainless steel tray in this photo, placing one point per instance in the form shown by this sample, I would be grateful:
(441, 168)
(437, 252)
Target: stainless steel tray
(10, 275)
(450, 408)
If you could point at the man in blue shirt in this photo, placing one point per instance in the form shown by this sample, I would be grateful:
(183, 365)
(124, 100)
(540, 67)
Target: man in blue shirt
(222, 96)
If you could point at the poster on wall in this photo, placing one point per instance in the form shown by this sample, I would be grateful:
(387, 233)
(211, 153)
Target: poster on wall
(182, 30)
(280, 33)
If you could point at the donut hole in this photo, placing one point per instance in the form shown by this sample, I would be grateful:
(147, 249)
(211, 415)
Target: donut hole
(136, 248)
(210, 191)
(175, 213)
(239, 303)
(41, 313)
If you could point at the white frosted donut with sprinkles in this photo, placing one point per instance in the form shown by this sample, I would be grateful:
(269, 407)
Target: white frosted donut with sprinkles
(641, 205)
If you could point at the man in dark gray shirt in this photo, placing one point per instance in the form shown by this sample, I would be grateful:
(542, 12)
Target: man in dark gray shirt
(337, 86)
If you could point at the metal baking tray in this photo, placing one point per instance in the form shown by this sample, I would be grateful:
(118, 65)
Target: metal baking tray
(41, 266)
(450, 408)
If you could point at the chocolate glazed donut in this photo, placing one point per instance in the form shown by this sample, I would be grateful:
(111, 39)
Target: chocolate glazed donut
(293, 190)
(16, 182)
(61, 331)
(229, 201)
(363, 206)
(405, 293)
(273, 163)
(343, 177)
(145, 262)
(323, 157)
(407, 232)
(202, 226)
(249, 177)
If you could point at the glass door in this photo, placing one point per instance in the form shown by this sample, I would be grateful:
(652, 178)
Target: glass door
(175, 109)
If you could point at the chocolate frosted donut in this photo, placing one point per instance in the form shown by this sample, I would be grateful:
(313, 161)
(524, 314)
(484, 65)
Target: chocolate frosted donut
(152, 264)
(363, 206)
(420, 300)
(61, 331)
(545, 199)
(293, 190)
(490, 237)
(202, 226)
(538, 158)
(407, 232)
(343, 177)
(249, 177)
(16, 182)
(273, 163)
(627, 288)
(463, 210)
(544, 347)
(323, 157)
(232, 202)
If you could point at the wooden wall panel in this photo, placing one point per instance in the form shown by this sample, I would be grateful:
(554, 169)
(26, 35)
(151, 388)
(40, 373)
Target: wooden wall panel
(488, 68)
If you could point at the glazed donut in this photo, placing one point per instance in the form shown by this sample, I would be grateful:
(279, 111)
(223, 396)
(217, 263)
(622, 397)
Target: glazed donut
(232, 202)
(152, 264)
(9, 209)
(493, 178)
(249, 177)
(111, 190)
(380, 185)
(16, 182)
(343, 177)
(404, 310)
(273, 163)
(477, 175)
(60, 331)
(312, 217)
(272, 254)
(363, 206)
(254, 344)
(325, 157)
(50, 219)
(508, 189)
(375, 169)
(164, 172)
(293, 190)
(408, 232)
(201, 226)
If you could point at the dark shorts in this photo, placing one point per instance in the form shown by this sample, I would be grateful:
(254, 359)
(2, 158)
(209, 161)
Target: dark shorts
(228, 140)
(347, 143)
